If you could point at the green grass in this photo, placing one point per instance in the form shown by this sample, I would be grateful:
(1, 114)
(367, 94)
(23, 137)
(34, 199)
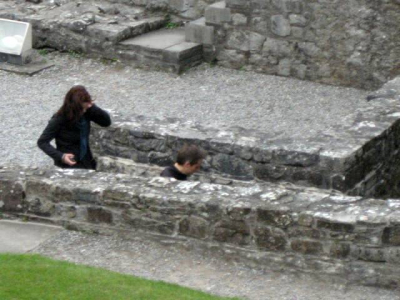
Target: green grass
(172, 25)
(35, 277)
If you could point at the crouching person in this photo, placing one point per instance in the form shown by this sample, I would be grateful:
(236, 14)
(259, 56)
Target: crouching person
(188, 161)
(70, 127)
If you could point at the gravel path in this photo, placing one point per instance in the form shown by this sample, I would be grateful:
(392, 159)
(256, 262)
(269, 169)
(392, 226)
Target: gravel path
(210, 95)
(145, 258)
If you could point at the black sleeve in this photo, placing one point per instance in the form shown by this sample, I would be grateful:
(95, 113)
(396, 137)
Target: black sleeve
(99, 116)
(48, 135)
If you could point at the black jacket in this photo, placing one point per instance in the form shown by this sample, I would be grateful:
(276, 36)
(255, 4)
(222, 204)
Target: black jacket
(67, 136)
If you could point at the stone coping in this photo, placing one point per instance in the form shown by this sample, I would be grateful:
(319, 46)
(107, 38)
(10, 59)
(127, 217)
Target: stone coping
(342, 159)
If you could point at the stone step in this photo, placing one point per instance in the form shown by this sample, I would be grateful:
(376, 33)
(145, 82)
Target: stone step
(119, 32)
(101, 29)
(270, 226)
(165, 48)
(198, 32)
(217, 13)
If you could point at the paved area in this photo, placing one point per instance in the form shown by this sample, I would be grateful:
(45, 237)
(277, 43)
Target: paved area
(21, 237)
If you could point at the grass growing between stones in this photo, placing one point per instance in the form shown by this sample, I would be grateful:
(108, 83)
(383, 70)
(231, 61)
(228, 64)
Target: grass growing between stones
(36, 277)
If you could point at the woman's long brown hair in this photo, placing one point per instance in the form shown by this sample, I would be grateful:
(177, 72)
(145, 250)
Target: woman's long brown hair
(72, 108)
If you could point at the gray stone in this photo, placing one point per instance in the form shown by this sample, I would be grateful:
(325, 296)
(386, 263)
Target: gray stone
(239, 40)
(217, 13)
(297, 20)
(270, 239)
(276, 47)
(198, 32)
(239, 19)
(280, 25)
(256, 41)
(284, 67)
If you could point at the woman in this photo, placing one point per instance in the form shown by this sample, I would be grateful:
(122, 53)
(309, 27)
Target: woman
(70, 127)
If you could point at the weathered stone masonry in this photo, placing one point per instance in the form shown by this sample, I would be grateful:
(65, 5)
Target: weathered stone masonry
(276, 226)
(350, 43)
(359, 158)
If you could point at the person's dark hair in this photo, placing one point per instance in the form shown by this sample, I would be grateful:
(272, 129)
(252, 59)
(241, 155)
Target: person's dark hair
(191, 154)
(72, 108)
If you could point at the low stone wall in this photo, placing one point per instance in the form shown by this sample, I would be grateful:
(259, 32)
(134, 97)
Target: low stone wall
(358, 159)
(349, 43)
(277, 225)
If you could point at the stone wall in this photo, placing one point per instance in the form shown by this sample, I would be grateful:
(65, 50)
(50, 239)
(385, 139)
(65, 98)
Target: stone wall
(361, 161)
(276, 226)
(349, 43)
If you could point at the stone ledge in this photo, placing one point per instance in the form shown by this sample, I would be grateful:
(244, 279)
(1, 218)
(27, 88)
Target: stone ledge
(362, 160)
(319, 226)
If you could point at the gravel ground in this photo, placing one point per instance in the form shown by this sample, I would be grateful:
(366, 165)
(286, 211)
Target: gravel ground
(212, 96)
(145, 258)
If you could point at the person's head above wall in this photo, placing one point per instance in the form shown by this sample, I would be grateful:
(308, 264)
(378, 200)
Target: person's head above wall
(190, 158)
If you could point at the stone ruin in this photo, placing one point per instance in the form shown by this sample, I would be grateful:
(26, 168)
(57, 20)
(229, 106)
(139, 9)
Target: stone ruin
(325, 205)
(348, 43)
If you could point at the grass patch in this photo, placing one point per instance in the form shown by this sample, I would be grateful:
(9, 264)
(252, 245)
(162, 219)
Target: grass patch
(43, 52)
(172, 25)
(30, 277)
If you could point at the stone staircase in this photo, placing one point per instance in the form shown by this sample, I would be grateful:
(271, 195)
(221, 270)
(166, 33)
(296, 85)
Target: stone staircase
(135, 36)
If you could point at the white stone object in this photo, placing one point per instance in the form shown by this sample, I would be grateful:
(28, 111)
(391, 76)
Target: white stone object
(15, 37)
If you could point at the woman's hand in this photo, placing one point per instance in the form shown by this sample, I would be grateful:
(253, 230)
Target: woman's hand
(69, 159)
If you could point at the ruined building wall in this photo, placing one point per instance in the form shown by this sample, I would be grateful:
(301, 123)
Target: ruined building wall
(187, 9)
(351, 43)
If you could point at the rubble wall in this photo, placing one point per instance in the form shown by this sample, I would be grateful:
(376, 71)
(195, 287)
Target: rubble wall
(348, 43)
(362, 161)
(277, 226)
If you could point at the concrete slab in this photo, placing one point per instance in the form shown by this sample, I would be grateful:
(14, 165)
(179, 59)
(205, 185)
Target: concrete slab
(20, 237)
(160, 39)
(29, 69)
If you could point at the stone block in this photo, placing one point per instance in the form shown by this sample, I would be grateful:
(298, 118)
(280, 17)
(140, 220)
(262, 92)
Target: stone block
(239, 20)
(256, 41)
(109, 32)
(277, 218)
(239, 4)
(284, 67)
(217, 13)
(307, 247)
(339, 250)
(182, 51)
(270, 238)
(299, 232)
(99, 215)
(11, 196)
(280, 25)
(40, 206)
(233, 232)
(239, 40)
(198, 32)
(297, 20)
(148, 221)
(335, 226)
(391, 236)
(193, 227)
(372, 254)
(232, 165)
